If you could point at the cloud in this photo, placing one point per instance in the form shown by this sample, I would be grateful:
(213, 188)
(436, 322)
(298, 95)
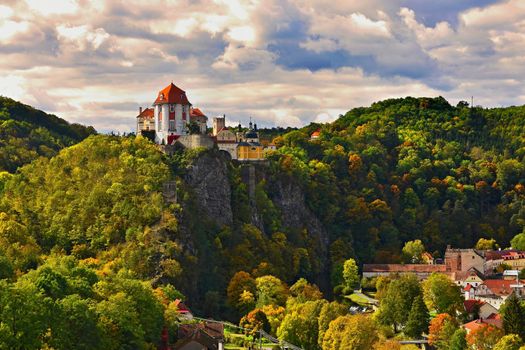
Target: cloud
(281, 62)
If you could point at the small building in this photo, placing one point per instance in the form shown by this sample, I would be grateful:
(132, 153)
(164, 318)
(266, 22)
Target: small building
(315, 135)
(227, 141)
(493, 320)
(200, 336)
(476, 309)
(200, 119)
(145, 121)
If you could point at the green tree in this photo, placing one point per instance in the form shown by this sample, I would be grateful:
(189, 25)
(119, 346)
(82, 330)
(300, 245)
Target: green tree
(518, 242)
(242, 282)
(350, 275)
(441, 294)
(459, 340)
(270, 290)
(513, 316)
(413, 251)
(76, 327)
(24, 313)
(486, 244)
(418, 319)
(395, 306)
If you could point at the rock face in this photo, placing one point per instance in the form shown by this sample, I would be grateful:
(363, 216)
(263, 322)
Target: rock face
(208, 177)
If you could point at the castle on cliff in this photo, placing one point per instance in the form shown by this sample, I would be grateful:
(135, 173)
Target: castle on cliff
(173, 119)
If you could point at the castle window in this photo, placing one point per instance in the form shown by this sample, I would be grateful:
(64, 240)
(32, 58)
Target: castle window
(172, 108)
(172, 125)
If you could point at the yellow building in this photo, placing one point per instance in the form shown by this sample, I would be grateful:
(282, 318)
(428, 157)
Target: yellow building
(249, 147)
(249, 151)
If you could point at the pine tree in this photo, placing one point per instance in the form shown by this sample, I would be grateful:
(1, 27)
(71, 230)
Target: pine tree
(514, 316)
(458, 340)
(417, 319)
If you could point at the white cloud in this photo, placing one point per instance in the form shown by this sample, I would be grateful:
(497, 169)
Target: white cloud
(97, 61)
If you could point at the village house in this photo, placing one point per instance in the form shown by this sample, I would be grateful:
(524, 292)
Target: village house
(492, 320)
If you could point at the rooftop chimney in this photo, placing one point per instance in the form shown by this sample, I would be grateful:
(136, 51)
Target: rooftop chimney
(140, 110)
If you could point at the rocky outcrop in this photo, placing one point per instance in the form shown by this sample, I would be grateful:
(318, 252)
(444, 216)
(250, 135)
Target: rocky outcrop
(208, 178)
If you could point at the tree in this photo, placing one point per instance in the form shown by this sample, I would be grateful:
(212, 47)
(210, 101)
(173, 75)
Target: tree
(459, 340)
(303, 291)
(357, 332)
(418, 318)
(255, 321)
(23, 316)
(441, 294)
(350, 275)
(241, 284)
(329, 312)
(270, 290)
(513, 316)
(441, 329)
(518, 242)
(509, 342)
(76, 327)
(413, 251)
(300, 326)
(484, 337)
(486, 244)
(395, 306)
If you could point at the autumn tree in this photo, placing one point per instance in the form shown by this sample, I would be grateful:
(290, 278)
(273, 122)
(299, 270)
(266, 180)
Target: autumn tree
(270, 290)
(300, 325)
(329, 312)
(441, 329)
(357, 332)
(509, 342)
(241, 291)
(484, 337)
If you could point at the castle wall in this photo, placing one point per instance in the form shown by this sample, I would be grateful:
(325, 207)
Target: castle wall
(195, 141)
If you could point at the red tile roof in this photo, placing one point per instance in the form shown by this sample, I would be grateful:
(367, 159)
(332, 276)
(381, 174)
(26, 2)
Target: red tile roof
(172, 94)
(147, 113)
(195, 112)
(316, 133)
(423, 268)
(473, 325)
(500, 287)
(471, 304)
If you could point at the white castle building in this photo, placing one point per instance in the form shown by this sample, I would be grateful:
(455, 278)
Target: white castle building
(170, 117)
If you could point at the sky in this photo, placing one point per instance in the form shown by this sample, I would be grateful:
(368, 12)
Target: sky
(282, 63)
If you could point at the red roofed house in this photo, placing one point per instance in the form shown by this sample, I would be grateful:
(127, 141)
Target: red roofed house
(478, 309)
(315, 135)
(495, 292)
(200, 336)
(199, 118)
(493, 320)
(145, 120)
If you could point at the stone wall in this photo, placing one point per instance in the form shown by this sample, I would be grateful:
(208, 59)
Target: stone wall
(195, 141)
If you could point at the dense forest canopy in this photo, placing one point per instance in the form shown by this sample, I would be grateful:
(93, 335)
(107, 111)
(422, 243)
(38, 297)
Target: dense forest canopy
(87, 228)
(27, 133)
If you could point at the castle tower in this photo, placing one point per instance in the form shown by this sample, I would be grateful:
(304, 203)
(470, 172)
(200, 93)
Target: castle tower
(171, 114)
(218, 124)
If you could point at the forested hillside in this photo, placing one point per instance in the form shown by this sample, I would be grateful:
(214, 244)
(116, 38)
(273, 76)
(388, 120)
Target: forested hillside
(27, 133)
(90, 234)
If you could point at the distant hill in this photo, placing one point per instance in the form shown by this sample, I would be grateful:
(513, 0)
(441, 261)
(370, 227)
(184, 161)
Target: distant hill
(27, 133)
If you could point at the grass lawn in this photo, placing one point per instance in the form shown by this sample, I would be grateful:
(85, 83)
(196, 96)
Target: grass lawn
(358, 299)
